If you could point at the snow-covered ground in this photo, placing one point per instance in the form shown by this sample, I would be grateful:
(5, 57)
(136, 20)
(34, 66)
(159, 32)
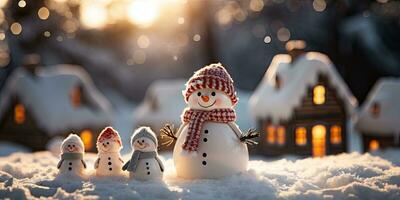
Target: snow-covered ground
(345, 176)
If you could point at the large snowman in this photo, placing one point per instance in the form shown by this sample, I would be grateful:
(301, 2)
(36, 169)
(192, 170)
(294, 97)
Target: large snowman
(209, 143)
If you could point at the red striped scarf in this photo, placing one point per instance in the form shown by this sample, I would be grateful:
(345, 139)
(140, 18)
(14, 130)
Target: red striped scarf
(196, 118)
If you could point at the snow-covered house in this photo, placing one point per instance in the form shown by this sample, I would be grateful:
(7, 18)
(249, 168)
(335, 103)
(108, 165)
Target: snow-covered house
(39, 104)
(163, 103)
(302, 106)
(379, 118)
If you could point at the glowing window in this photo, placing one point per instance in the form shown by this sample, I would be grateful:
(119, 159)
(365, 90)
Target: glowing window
(301, 136)
(270, 134)
(319, 94)
(373, 145)
(19, 114)
(375, 109)
(87, 138)
(281, 135)
(76, 96)
(318, 140)
(336, 134)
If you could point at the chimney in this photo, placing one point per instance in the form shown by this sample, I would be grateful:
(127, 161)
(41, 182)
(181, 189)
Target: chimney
(295, 48)
(31, 63)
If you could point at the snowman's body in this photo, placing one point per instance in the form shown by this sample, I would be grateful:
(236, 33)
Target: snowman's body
(72, 166)
(220, 153)
(147, 169)
(109, 164)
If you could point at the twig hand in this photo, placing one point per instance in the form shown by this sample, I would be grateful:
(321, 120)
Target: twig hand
(247, 137)
(168, 132)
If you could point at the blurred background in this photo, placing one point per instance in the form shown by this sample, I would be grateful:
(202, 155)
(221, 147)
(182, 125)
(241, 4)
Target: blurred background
(114, 51)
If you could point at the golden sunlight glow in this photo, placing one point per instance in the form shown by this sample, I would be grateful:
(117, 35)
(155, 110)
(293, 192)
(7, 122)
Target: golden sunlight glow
(93, 15)
(318, 140)
(281, 135)
(336, 134)
(87, 139)
(19, 114)
(143, 12)
(16, 28)
(3, 3)
(256, 5)
(43, 13)
(143, 41)
(319, 94)
(301, 136)
(373, 145)
(270, 134)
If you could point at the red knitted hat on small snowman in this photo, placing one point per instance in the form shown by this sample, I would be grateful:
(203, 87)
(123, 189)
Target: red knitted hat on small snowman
(213, 76)
(109, 133)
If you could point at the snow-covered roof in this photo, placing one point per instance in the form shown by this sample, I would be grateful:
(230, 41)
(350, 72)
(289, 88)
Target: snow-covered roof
(46, 96)
(296, 78)
(386, 94)
(163, 103)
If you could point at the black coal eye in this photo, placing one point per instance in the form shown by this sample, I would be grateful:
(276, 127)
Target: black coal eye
(69, 145)
(73, 145)
(142, 140)
(199, 94)
(108, 143)
(212, 93)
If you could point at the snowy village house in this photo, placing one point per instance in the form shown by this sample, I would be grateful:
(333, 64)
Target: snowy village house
(302, 106)
(379, 118)
(40, 103)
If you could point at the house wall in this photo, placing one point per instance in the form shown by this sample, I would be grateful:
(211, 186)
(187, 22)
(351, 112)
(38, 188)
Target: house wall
(31, 136)
(307, 115)
(384, 141)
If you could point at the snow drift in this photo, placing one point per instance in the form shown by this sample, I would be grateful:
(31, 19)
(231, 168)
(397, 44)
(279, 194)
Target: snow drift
(345, 176)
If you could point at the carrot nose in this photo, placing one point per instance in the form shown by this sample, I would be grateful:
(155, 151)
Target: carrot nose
(205, 98)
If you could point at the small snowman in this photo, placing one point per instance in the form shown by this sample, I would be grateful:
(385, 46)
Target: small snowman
(109, 145)
(209, 144)
(72, 150)
(144, 163)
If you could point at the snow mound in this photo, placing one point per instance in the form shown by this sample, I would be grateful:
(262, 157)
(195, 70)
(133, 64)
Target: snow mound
(345, 176)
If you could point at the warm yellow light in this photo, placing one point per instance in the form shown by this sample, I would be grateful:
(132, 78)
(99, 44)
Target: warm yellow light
(196, 37)
(301, 136)
(93, 15)
(143, 41)
(87, 139)
(281, 135)
(256, 5)
(143, 12)
(19, 114)
(318, 140)
(336, 134)
(270, 134)
(319, 94)
(43, 13)
(16, 28)
(3, 3)
(373, 145)
(22, 3)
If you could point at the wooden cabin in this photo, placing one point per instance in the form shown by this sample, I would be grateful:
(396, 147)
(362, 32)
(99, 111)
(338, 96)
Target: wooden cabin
(378, 121)
(302, 107)
(38, 104)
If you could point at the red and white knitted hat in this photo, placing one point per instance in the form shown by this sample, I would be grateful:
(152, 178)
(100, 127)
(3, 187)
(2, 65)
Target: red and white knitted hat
(109, 133)
(213, 76)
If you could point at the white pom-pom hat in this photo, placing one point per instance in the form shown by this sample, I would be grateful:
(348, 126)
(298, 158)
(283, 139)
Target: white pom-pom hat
(73, 138)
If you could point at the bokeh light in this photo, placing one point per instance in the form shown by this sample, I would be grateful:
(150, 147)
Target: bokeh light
(43, 13)
(16, 28)
(143, 12)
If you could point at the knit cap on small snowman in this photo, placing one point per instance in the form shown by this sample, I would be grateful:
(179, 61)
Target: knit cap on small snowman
(144, 132)
(109, 133)
(213, 76)
(73, 138)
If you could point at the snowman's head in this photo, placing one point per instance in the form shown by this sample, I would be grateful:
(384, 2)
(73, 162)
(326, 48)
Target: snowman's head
(144, 139)
(209, 99)
(210, 88)
(72, 144)
(109, 141)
